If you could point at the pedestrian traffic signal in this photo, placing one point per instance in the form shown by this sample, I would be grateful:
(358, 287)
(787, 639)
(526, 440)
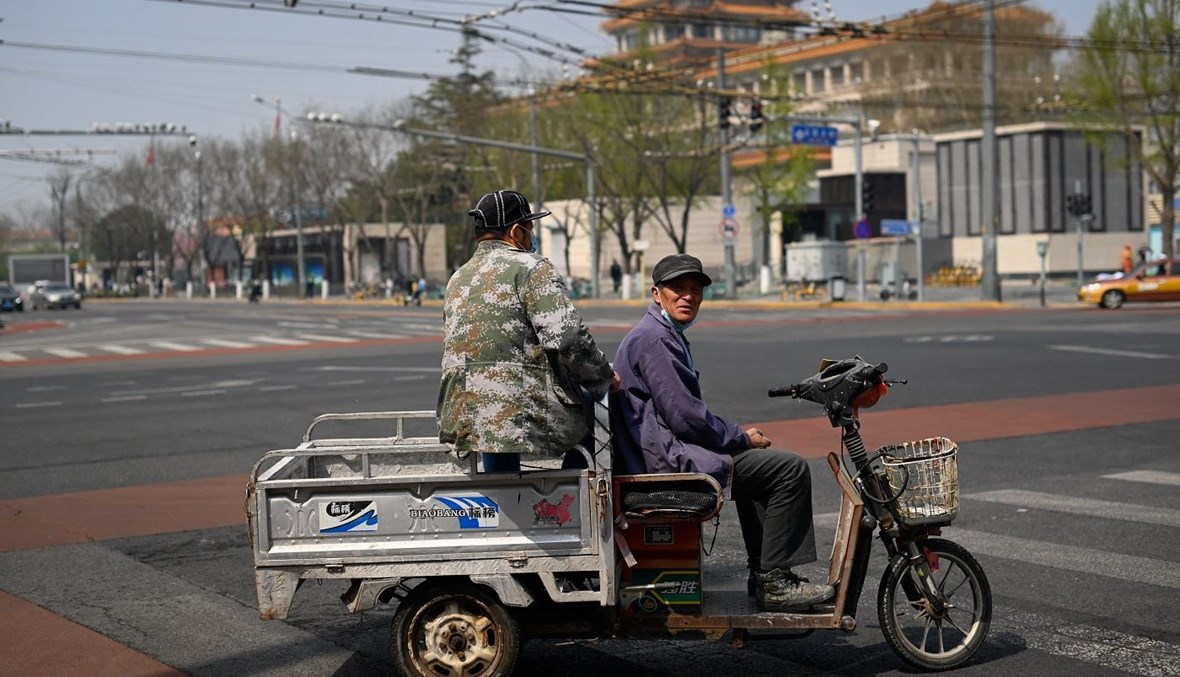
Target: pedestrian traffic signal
(755, 115)
(866, 196)
(724, 112)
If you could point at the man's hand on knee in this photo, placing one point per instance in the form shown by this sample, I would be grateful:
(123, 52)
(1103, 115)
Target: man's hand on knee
(757, 439)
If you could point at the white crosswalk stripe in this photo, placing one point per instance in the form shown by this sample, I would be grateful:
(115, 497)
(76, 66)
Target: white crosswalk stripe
(278, 341)
(170, 345)
(225, 343)
(1082, 506)
(12, 357)
(322, 338)
(65, 352)
(120, 349)
(1148, 476)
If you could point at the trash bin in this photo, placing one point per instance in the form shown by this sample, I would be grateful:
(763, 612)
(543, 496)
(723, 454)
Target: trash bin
(836, 288)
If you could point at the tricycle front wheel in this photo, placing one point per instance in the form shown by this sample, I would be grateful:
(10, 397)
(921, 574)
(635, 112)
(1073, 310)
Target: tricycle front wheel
(935, 634)
(454, 630)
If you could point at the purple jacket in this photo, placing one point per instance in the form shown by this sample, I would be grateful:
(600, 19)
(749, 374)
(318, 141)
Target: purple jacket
(658, 419)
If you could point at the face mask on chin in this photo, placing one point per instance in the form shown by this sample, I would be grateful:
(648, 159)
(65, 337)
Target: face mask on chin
(532, 248)
(678, 326)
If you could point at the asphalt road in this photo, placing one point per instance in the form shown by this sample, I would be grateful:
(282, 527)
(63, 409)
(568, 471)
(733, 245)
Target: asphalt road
(1067, 419)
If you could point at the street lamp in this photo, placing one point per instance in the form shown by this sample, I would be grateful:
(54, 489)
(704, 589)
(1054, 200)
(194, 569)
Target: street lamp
(192, 141)
(301, 279)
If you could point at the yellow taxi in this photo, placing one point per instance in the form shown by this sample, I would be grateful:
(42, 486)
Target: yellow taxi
(1157, 280)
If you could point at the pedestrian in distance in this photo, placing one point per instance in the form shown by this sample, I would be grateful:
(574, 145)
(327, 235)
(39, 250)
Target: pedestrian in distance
(1128, 261)
(520, 371)
(660, 423)
(616, 274)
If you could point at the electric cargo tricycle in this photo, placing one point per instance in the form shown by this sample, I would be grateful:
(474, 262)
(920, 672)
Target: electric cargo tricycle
(477, 562)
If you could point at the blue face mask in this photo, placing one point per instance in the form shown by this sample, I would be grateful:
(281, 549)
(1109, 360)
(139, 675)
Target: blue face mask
(532, 240)
(678, 326)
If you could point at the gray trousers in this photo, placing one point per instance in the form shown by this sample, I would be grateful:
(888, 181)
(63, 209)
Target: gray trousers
(772, 491)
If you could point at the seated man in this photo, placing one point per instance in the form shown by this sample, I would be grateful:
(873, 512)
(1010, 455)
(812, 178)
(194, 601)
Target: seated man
(661, 424)
(519, 368)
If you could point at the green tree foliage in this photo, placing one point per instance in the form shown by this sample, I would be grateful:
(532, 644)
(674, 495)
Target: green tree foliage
(1129, 77)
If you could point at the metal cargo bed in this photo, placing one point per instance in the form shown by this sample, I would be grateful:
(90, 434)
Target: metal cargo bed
(389, 508)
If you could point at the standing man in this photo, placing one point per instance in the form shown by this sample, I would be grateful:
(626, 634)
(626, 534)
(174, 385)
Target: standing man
(520, 372)
(660, 423)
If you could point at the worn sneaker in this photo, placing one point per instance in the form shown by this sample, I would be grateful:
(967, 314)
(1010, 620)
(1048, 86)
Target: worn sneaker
(780, 590)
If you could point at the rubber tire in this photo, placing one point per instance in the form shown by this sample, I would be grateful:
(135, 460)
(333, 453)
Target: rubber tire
(1112, 299)
(461, 601)
(893, 582)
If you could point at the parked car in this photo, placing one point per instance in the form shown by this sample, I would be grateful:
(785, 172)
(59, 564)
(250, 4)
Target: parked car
(1157, 280)
(10, 299)
(55, 295)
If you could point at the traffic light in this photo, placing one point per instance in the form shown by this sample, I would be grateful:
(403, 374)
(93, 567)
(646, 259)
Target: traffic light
(866, 196)
(755, 115)
(724, 112)
(1078, 204)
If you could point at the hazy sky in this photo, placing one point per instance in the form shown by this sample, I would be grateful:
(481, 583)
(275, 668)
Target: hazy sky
(44, 88)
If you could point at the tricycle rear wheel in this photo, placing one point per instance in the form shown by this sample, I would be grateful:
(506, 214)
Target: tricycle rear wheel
(454, 630)
(919, 631)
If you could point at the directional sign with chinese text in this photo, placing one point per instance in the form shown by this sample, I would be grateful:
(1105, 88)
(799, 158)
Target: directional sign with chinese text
(895, 227)
(813, 135)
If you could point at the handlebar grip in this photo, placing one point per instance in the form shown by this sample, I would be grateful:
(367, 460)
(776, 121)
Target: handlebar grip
(783, 391)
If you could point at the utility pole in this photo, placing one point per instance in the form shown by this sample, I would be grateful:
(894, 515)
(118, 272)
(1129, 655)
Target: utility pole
(990, 284)
(536, 196)
(726, 188)
(918, 214)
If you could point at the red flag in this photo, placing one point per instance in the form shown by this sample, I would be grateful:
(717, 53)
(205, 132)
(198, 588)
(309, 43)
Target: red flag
(151, 155)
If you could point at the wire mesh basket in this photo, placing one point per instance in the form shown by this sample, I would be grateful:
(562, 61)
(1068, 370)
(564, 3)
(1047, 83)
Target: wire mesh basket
(925, 474)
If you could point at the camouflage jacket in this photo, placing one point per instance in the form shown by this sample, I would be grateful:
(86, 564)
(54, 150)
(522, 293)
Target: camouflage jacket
(515, 357)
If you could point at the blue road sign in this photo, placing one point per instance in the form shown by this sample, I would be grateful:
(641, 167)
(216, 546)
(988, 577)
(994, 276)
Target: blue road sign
(728, 211)
(896, 227)
(863, 229)
(814, 135)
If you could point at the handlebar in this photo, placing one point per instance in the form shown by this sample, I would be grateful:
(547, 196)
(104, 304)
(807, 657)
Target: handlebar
(839, 386)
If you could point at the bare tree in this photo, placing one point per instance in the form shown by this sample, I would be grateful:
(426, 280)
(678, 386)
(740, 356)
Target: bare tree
(59, 190)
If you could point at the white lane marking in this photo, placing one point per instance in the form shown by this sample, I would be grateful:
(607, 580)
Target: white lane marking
(32, 405)
(1058, 556)
(218, 385)
(44, 389)
(1111, 351)
(121, 350)
(327, 339)
(169, 345)
(1126, 512)
(1148, 476)
(65, 352)
(432, 370)
(950, 338)
(278, 341)
(309, 325)
(409, 378)
(11, 357)
(267, 389)
(225, 343)
(354, 382)
(202, 393)
(433, 328)
(374, 335)
(128, 398)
